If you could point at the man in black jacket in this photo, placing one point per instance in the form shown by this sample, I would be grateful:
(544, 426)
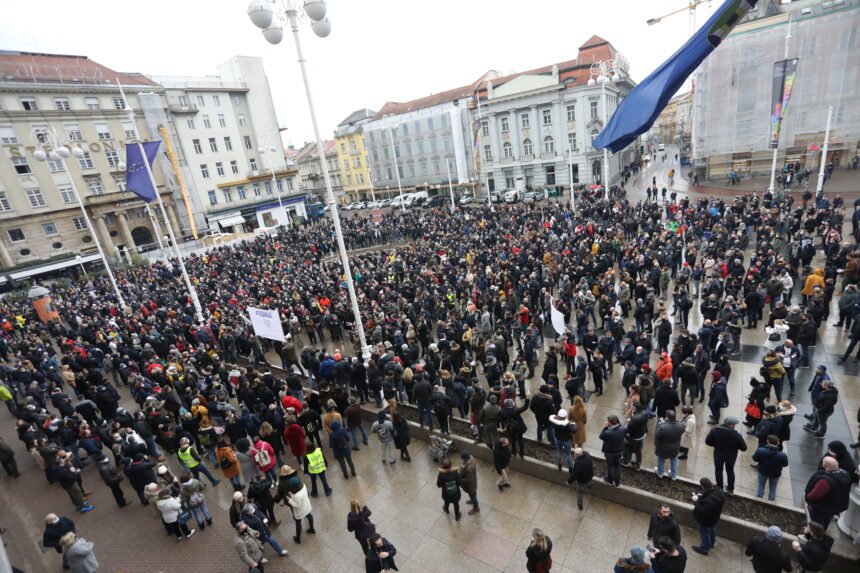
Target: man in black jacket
(55, 528)
(581, 473)
(767, 554)
(727, 442)
(663, 524)
(813, 548)
(827, 492)
(423, 392)
(708, 506)
(665, 398)
(612, 436)
(543, 407)
(637, 429)
(824, 406)
(140, 474)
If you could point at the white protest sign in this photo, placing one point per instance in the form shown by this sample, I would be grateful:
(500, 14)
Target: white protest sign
(267, 323)
(557, 319)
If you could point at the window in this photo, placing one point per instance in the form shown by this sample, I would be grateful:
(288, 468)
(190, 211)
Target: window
(221, 121)
(92, 103)
(190, 123)
(62, 103)
(397, 151)
(102, 130)
(528, 148)
(571, 113)
(201, 101)
(213, 198)
(29, 104)
(444, 121)
(55, 166)
(228, 195)
(112, 158)
(183, 101)
(524, 120)
(197, 148)
(241, 190)
(16, 235)
(74, 132)
(228, 145)
(7, 134)
(21, 165)
(548, 144)
(256, 188)
(549, 171)
(430, 123)
(242, 121)
(405, 129)
(118, 103)
(485, 128)
(237, 100)
(488, 153)
(80, 223)
(248, 142)
(253, 163)
(352, 146)
(86, 160)
(204, 170)
(5, 205)
(95, 185)
(571, 141)
(547, 116)
(234, 167)
(219, 168)
(388, 172)
(289, 184)
(349, 179)
(67, 194)
(119, 181)
(504, 124)
(206, 123)
(356, 162)
(128, 130)
(34, 196)
(592, 106)
(50, 229)
(213, 145)
(268, 185)
(216, 100)
(507, 150)
(110, 219)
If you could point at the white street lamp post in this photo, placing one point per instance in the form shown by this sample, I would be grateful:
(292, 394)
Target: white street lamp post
(450, 184)
(604, 72)
(772, 187)
(59, 153)
(263, 14)
(272, 149)
(396, 166)
(80, 260)
(819, 188)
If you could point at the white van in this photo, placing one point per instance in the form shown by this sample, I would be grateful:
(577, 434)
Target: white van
(661, 147)
(415, 198)
(400, 199)
(512, 196)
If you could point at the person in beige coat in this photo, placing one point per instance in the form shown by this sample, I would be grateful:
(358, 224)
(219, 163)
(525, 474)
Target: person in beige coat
(687, 439)
(577, 414)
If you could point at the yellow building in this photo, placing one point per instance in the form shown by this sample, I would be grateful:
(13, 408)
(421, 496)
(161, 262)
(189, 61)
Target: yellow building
(352, 156)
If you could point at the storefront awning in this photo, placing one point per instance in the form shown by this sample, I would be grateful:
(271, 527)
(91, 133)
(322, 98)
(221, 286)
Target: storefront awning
(231, 221)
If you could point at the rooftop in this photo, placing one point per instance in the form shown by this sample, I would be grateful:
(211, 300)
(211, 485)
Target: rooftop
(33, 67)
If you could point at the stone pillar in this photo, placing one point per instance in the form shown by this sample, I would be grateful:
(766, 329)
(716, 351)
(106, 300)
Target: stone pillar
(5, 258)
(125, 231)
(104, 236)
(174, 221)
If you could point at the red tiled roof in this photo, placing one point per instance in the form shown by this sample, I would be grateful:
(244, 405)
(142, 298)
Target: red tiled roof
(593, 41)
(58, 68)
(396, 108)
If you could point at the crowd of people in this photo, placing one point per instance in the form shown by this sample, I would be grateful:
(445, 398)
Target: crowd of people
(458, 315)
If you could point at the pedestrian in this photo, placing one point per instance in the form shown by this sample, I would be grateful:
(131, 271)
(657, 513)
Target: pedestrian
(355, 423)
(300, 504)
(668, 557)
(402, 436)
(718, 397)
(501, 460)
(707, 509)
(770, 460)
(448, 480)
(636, 563)
(263, 455)
(667, 444)
(538, 553)
(190, 460)
(582, 474)
(339, 444)
(7, 459)
(55, 528)
(469, 480)
(767, 553)
(229, 464)
(578, 416)
(384, 430)
(663, 524)
(359, 523)
(112, 477)
(612, 436)
(256, 520)
(812, 548)
(823, 407)
(689, 435)
(69, 477)
(637, 429)
(665, 398)
(249, 547)
(78, 553)
(727, 442)
(827, 492)
(564, 432)
(488, 420)
(315, 465)
(380, 557)
(295, 437)
(171, 512)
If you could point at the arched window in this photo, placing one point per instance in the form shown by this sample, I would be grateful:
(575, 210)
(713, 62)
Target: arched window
(548, 144)
(507, 150)
(527, 147)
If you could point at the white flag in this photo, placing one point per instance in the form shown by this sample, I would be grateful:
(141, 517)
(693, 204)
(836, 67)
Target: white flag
(557, 319)
(267, 323)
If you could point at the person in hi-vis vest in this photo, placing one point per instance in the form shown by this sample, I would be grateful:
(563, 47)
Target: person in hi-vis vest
(190, 459)
(315, 466)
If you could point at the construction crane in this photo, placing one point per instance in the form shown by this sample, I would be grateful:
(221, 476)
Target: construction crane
(690, 7)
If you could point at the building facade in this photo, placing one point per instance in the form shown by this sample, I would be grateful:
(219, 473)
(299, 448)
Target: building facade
(310, 171)
(228, 133)
(733, 90)
(40, 217)
(674, 123)
(352, 155)
(536, 127)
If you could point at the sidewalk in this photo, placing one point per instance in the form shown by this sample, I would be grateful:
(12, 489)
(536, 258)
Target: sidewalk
(845, 183)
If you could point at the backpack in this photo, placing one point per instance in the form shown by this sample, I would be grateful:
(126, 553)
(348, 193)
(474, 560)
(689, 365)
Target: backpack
(262, 458)
(196, 499)
(451, 488)
(382, 432)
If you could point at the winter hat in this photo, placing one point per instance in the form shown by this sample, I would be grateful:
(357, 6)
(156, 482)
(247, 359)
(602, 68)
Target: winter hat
(559, 419)
(774, 534)
(465, 455)
(509, 403)
(821, 367)
(730, 421)
(637, 555)
(716, 375)
(238, 496)
(770, 409)
(335, 426)
(380, 417)
(543, 388)
(493, 399)
(162, 469)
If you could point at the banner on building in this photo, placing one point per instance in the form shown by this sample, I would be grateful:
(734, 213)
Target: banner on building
(783, 82)
(267, 323)
(557, 319)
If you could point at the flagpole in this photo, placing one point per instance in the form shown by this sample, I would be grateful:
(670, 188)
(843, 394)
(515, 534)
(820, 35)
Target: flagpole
(154, 220)
(480, 144)
(190, 287)
(772, 187)
(570, 173)
(819, 188)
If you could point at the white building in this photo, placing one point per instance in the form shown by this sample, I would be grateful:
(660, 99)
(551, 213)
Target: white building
(226, 126)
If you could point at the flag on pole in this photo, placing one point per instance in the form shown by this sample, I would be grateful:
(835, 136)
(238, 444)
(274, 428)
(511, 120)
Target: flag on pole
(137, 180)
(783, 82)
(638, 111)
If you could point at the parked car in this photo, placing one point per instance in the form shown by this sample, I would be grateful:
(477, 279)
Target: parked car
(385, 203)
(466, 199)
(512, 196)
(434, 202)
(496, 197)
(661, 147)
(530, 197)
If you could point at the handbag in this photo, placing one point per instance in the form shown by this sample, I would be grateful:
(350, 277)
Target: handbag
(196, 499)
(753, 411)
(184, 517)
(774, 337)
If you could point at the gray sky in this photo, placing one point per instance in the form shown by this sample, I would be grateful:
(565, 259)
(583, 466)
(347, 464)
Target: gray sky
(378, 51)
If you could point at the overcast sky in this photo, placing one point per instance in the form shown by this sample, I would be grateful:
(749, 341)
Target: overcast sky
(378, 51)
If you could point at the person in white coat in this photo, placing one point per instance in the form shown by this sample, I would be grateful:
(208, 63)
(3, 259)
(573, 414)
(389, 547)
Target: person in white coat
(300, 503)
(688, 438)
(78, 553)
(170, 508)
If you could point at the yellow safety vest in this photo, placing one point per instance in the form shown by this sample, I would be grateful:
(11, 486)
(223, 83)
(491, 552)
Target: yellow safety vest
(187, 458)
(316, 462)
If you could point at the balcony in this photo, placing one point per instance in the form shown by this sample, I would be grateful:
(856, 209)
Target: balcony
(177, 108)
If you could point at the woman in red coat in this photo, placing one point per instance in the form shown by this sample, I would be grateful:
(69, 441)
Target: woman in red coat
(295, 437)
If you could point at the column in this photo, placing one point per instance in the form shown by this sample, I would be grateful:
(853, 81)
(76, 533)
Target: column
(104, 236)
(174, 221)
(125, 231)
(5, 259)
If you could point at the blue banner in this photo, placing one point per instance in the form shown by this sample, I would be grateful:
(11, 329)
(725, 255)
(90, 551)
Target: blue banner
(137, 180)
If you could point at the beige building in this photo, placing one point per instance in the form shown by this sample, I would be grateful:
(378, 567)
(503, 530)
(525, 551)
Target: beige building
(674, 122)
(352, 155)
(41, 224)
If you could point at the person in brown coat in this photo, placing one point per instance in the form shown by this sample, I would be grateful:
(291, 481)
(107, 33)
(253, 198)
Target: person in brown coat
(229, 464)
(577, 415)
(469, 480)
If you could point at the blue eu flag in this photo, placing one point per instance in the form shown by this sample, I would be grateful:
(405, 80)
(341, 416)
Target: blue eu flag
(136, 177)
